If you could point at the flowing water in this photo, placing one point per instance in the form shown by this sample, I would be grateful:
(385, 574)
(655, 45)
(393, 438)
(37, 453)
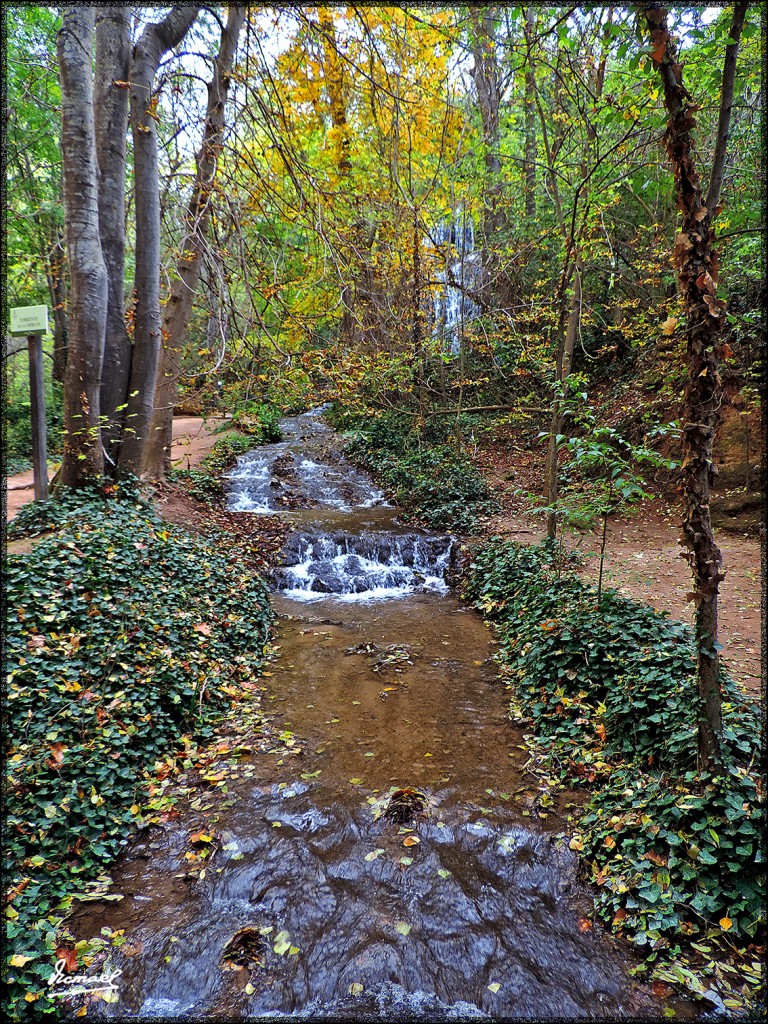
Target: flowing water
(318, 902)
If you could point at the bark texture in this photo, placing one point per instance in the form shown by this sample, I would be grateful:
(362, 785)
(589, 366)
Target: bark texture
(155, 41)
(488, 86)
(113, 49)
(83, 456)
(697, 266)
(178, 306)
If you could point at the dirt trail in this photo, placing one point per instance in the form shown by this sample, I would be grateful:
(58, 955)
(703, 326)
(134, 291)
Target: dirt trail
(643, 558)
(193, 438)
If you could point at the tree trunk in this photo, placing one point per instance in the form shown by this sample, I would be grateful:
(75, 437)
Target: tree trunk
(156, 40)
(113, 49)
(178, 306)
(487, 83)
(57, 286)
(564, 361)
(697, 265)
(335, 84)
(529, 164)
(83, 456)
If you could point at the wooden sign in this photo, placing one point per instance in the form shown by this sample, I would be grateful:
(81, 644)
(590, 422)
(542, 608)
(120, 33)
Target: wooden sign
(26, 320)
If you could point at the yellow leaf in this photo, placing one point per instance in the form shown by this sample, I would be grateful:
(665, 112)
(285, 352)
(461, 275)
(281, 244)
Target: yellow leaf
(726, 923)
(494, 986)
(411, 841)
(19, 960)
(576, 843)
(669, 325)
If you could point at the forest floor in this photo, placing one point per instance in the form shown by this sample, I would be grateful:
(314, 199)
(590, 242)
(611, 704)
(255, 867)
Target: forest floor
(643, 555)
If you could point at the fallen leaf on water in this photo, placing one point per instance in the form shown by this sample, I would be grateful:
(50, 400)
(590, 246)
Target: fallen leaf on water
(411, 840)
(374, 854)
(443, 872)
(494, 987)
(282, 943)
(406, 861)
(249, 989)
(355, 989)
(402, 928)
(356, 782)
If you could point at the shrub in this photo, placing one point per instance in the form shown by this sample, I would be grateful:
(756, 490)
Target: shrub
(259, 421)
(435, 481)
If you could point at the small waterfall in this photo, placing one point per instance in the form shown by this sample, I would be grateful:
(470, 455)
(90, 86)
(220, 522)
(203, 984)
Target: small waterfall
(461, 270)
(365, 567)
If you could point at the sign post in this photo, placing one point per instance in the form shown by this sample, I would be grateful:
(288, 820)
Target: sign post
(32, 322)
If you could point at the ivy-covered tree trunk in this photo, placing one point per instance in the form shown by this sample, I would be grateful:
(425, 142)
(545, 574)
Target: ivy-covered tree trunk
(697, 266)
(113, 50)
(178, 306)
(155, 41)
(83, 458)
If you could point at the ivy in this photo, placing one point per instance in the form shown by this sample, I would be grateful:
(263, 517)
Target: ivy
(674, 854)
(124, 638)
(429, 478)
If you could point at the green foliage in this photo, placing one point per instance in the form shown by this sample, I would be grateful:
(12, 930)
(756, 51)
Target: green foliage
(205, 482)
(123, 635)
(611, 691)
(259, 421)
(18, 418)
(433, 481)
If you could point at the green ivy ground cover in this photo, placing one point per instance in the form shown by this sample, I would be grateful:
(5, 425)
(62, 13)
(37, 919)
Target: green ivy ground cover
(427, 475)
(675, 855)
(124, 638)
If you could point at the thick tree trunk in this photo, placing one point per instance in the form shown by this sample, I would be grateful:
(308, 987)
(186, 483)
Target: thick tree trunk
(156, 40)
(83, 455)
(178, 306)
(113, 50)
(697, 265)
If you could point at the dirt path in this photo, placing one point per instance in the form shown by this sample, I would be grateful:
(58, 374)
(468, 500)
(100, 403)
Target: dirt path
(643, 559)
(193, 438)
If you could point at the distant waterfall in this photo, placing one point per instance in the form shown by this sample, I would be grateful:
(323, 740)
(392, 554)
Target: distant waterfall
(459, 268)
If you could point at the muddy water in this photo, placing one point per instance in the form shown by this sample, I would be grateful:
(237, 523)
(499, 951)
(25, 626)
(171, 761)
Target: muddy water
(467, 910)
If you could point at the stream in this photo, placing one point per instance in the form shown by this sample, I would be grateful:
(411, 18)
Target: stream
(327, 896)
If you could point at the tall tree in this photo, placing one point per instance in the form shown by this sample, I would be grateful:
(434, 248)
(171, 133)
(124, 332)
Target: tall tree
(155, 41)
(697, 266)
(178, 306)
(113, 49)
(83, 455)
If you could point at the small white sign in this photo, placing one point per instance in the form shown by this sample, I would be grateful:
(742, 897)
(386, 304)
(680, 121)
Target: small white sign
(29, 320)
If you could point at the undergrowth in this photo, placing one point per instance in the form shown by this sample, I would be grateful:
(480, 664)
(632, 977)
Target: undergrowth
(205, 483)
(675, 854)
(259, 420)
(125, 637)
(427, 475)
